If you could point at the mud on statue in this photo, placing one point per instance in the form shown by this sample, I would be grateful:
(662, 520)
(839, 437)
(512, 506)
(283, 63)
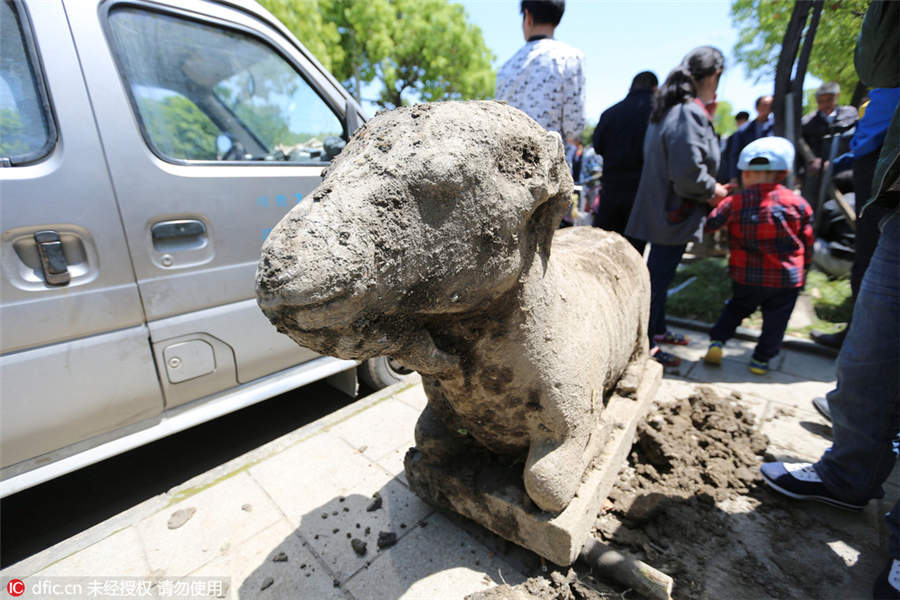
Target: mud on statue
(429, 240)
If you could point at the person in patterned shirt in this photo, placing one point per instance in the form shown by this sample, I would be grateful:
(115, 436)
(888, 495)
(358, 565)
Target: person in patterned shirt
(545, 77)
(770, 238)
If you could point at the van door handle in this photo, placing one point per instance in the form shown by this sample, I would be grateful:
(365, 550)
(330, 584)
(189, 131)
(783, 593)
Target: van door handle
(53, 259)
(187, 228)
(178, 236)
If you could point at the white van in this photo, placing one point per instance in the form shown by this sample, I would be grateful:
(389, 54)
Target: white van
(146, 149)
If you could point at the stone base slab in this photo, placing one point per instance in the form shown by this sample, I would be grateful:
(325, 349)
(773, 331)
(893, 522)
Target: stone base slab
(484, 488)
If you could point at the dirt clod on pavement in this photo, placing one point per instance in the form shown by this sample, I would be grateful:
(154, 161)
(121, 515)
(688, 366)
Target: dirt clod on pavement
(358, 546)
(386, 539)
(691, 503)
(375, 504)
(180, 517)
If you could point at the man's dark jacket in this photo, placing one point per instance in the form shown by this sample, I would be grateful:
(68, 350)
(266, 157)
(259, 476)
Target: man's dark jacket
(619, 139)
(877, 61)
(748, 132)
(815, 127)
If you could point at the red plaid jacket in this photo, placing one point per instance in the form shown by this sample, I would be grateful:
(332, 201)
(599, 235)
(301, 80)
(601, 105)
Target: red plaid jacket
(769, 234)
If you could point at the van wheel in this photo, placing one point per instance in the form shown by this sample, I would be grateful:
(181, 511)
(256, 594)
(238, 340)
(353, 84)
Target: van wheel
(380, 372)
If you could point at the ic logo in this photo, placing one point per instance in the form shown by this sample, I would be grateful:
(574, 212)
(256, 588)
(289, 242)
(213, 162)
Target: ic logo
(15, 587)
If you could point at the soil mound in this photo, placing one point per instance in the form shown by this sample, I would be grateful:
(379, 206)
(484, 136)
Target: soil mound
(691, 503)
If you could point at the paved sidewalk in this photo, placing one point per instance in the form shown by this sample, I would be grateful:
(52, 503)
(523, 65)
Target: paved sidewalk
(278, 521)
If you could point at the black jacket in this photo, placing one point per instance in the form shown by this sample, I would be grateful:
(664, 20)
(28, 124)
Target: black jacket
(619, 139)
(619, 136)
(814, 127)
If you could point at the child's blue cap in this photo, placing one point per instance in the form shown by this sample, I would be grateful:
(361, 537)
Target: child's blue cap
(767, 154)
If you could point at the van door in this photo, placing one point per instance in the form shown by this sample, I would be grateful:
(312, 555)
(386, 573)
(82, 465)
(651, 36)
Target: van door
(214, 126)
(75, 358)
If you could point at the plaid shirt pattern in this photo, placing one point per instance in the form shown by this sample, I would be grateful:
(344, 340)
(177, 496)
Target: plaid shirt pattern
(769, 234)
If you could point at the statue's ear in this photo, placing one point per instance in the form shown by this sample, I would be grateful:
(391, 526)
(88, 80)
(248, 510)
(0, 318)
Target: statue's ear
(559, 178)
(558, 188)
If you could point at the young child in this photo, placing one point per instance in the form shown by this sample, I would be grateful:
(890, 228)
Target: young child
(770, 238)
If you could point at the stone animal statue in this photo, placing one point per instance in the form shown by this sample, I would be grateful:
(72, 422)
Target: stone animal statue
(429, 240)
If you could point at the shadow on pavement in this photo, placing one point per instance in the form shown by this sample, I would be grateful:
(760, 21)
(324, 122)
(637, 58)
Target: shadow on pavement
(373, 548)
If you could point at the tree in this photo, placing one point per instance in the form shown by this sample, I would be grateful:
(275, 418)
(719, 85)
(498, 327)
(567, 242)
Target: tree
(306, 20)
(761, 25)
(178, 128)
(724, 120)
(419, 50)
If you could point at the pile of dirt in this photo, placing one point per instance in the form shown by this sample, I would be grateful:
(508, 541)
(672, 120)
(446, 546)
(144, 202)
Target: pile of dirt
(704, 446)
(556, 586)
(691, 503)
(689, 456)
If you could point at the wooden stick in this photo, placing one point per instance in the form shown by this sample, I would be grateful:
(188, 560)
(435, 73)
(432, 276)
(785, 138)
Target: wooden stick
(845, 207)
(639, 576)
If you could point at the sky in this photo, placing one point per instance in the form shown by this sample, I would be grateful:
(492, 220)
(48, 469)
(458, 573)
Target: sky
(621, 38)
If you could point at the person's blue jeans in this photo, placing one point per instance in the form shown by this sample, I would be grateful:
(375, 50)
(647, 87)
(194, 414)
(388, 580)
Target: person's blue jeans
(661, 263)
(777, 305)
(865, 405)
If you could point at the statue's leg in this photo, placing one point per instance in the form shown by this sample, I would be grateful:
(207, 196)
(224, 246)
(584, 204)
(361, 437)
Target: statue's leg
(553, 473)
(556, 462)
(434, 439)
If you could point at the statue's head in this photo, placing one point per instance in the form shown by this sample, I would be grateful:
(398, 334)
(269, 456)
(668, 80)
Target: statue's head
(430, 210)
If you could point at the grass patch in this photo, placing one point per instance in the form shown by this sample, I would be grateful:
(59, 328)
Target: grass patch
(831, 297)
(703, 299)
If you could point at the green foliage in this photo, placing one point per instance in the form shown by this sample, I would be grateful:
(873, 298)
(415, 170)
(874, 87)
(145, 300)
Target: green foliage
(587, 135)
(703, 299)
(178, 128)
(419, 50)
(266, 121)
(832, 298)
(724, 119)
(307, 20)
(761, 25)
(12, 133)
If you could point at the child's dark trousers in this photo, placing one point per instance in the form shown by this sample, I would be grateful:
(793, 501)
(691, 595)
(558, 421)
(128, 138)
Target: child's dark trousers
(777, 304)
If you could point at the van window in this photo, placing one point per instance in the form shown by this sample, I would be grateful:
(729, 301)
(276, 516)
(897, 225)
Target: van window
(206, 92)
(26, 133)
(176, 125)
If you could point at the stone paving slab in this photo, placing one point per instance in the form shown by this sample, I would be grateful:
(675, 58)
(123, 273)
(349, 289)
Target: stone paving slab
(330, 537)
(791, 434)
(120, 555)
(807, 366)
(776, 384)
(255, 568)
(438, 560)
(220, 520)
(387, 426)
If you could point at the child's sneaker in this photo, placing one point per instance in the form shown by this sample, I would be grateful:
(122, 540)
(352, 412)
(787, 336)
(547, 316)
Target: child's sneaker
(759, 367)
(666, 359)
(670, 337)
(714, 354)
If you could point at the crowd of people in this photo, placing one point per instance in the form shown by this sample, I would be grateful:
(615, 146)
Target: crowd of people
(667, 179)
